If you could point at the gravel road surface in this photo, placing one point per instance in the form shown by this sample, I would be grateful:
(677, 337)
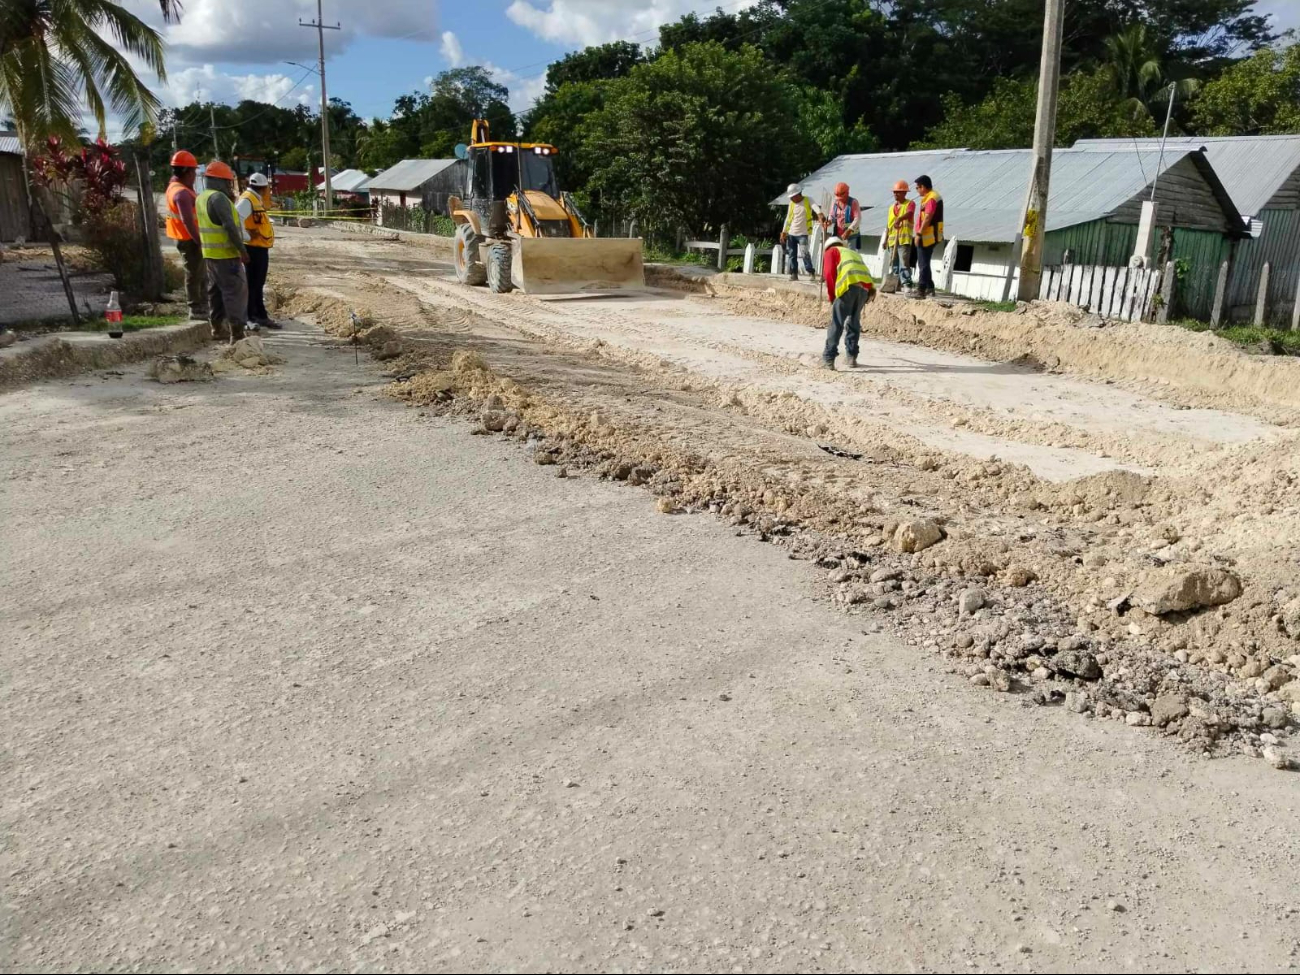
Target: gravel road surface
(298, 679)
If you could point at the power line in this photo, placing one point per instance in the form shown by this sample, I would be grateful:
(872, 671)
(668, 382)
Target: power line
(321, 27)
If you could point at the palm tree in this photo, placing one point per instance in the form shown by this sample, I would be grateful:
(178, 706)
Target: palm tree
(59, 57)
(1137, 73)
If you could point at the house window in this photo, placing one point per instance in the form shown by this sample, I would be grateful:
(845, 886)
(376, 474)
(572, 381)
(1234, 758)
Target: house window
(965, 255)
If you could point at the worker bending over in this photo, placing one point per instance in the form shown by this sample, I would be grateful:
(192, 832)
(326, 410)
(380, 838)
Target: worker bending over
(848, 288)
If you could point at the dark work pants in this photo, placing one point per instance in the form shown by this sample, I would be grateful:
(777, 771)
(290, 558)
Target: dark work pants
(196, 278)
(846, 320)
(227, 299)
(925, 280)
(259, 258)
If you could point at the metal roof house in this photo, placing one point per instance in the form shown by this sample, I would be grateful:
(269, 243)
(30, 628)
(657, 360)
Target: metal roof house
(1262, 175)
(1092, 214)
(425, 183)
(347, 181)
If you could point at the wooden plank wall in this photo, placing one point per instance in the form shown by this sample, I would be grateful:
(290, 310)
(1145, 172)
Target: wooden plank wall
(1123, 293)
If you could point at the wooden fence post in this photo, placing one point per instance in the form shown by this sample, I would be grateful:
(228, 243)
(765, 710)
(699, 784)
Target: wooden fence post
(1220, 295)
(1167, 290)
(723, 240)
(1261, 300)
(1295, 312)
(155, 282)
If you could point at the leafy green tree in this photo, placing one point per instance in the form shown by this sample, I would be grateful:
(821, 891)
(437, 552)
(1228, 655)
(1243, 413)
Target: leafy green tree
(60, 56)
(599, 62)
(1088, 107)
(699, 137)
(562, 118)
(1136, 72)
(1257, 96)
(295, 160)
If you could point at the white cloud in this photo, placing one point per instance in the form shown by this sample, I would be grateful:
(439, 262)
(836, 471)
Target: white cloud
(451, 49)
(583, 22)
(205, 83)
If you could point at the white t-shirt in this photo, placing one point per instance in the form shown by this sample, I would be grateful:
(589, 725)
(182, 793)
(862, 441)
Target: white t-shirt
(798, 220)
(244, 207)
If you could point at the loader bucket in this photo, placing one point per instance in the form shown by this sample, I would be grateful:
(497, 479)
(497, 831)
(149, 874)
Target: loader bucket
(573, 265)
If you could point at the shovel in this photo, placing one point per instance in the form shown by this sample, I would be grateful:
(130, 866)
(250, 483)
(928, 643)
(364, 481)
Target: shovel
(890, 284)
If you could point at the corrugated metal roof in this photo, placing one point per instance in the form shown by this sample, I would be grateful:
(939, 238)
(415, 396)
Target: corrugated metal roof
(1251, 167)
(345, 181)
(409, 174)
(9, 144)
(984, 191)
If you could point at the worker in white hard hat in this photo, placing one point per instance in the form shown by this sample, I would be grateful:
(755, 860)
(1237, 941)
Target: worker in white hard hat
(259, 233)
(799, 220)
(849, 287)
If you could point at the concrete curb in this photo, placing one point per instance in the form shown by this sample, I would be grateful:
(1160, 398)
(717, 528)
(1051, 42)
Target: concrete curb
(62, 354)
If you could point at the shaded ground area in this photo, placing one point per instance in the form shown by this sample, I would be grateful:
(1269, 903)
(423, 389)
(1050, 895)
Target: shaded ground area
(33, 291)
(302, 679)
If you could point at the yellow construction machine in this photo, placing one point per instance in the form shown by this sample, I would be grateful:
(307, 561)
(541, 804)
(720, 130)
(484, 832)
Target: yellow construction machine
(515, 229)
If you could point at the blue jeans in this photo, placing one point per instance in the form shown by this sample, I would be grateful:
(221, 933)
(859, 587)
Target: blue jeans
(794, 246)
(846, 320)
(901, 269)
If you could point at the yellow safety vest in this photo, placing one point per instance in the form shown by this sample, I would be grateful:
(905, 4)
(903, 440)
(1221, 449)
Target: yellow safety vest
(789, 214)
(932, 234)
(261, 231)
(852, 270)
(216, 243)
(900, 227)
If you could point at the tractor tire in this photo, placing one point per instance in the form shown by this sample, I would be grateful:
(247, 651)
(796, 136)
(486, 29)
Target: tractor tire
(468, 255)
(499, 258)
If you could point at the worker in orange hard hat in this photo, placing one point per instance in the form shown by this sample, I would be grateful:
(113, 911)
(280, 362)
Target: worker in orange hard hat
(845, 217)
(183, 227)
(225, 253)
(898, 235)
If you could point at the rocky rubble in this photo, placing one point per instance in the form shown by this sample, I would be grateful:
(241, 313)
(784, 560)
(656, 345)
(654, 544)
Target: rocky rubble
(1005, 632)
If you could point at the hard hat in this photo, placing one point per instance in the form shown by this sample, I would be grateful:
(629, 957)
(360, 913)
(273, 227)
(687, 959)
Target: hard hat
(901, 186)
(186, 159)
(794, 189)
(841, 190)
(832, 242)
(219, 170)
(258, 180)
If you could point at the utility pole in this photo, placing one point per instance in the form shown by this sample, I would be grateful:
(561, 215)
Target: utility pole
(321, 28)
(1035, 223)
(212, 121)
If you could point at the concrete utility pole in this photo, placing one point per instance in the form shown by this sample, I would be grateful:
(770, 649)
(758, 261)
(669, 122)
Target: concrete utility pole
(321, 28)
(1049, 78)
(212, 121)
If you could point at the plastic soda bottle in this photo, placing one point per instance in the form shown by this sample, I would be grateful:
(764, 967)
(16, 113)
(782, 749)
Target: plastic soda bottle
(113, 313)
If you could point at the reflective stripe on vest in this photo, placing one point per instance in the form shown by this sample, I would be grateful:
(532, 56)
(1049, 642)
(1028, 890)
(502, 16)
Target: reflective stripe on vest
(900, 228)
(176, 228)
(261, 232)
(216, 243)
(842, 215)
(932, 234)
(852, 270)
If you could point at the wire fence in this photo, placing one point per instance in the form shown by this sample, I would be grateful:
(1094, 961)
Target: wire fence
(413, 219)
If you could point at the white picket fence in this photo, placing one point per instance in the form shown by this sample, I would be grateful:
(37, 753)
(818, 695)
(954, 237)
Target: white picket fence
(1126, 293)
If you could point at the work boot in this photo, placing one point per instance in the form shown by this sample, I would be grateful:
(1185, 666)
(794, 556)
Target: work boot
(828, 364)
(269, 323)
(853, 362)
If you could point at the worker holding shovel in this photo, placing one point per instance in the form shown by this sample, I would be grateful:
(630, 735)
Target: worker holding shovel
(898, 240)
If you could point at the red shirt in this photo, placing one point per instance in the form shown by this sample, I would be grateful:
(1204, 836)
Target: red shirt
(830, 267)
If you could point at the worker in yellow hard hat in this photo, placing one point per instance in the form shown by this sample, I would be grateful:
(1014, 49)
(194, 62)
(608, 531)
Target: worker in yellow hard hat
(183, 227)
(898, 235)
(224, 252)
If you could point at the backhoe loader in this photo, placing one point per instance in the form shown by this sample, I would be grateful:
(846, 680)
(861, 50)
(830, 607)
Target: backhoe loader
(515, 229)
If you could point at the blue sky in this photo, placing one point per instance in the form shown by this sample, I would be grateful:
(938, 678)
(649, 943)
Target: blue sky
(231, 49)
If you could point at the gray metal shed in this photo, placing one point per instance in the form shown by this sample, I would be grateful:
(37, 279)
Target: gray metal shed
(419, 182)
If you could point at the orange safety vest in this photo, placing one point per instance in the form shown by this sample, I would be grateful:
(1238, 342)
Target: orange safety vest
(933, 234)
(900, 224)
(176, 228)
